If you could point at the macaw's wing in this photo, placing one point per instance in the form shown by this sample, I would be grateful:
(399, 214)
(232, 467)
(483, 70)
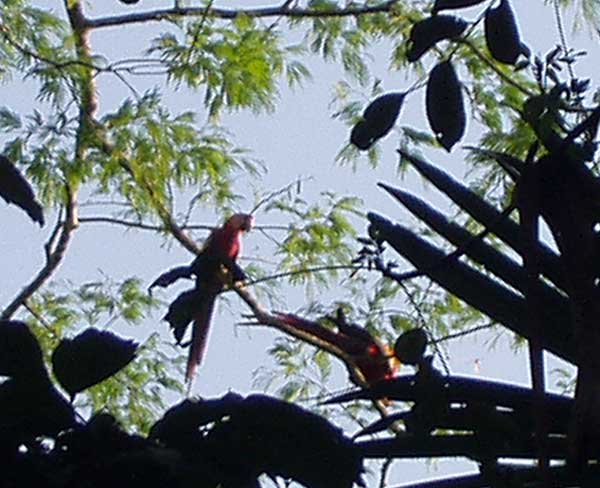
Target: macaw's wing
(171, 276)
(14, 188)
(207, 267)
(202, 319)
(181, 312)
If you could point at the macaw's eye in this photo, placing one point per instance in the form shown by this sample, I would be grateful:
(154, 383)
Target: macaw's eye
(373, 350)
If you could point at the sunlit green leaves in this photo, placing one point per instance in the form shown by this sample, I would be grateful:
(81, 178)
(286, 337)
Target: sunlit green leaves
(237, 65)
(317, 236)
(154, 151)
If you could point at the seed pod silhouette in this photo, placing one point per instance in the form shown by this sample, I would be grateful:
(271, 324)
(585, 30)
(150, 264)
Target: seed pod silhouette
(453, 4)
(378, 119)
(502, 33)
(410, 346)
(445, 106)
(426, 33)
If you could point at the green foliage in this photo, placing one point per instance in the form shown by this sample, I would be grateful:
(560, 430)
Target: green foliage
(153, 151)
(137, 394)
(237, 65)
(150, 159)
(318, 236)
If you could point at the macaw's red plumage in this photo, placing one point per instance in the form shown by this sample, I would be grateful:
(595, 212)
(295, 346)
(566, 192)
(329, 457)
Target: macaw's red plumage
(213, 268)
(373, 359)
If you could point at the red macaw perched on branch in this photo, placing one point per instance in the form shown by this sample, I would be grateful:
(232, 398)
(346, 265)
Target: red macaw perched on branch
(213, 267)
(366, 354)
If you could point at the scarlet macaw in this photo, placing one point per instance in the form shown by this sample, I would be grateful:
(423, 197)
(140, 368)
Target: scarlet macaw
(372, 358)
(213, 267)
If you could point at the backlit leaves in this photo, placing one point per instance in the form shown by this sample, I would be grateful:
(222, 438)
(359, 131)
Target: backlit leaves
(238, 65)
(154, 150)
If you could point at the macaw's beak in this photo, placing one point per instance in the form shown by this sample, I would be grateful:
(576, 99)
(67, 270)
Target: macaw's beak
(248, 223)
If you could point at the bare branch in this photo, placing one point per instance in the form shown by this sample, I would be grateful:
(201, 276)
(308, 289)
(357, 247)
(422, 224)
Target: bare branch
(159, 228)
(283, 10)
(53, 260)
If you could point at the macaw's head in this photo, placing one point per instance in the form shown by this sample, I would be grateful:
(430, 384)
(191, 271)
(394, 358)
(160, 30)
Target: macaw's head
(241, 222)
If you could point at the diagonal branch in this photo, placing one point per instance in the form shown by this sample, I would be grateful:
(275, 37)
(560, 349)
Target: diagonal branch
(58, 243)
(54, 256)
(284, 10)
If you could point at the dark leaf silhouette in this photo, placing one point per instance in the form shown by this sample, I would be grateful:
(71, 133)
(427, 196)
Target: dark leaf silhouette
(454, 4)
(445, 106)
(502, 34)
(426, 33)
(260, 434)
(29, 410)
(14, 188)
(90, 358)
(477, 289)
(20, 353)
(410, 346)
(487, 215)
(378, 119)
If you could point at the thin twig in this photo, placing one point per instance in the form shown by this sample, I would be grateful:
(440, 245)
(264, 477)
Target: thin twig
(317, 269)
(507, 79)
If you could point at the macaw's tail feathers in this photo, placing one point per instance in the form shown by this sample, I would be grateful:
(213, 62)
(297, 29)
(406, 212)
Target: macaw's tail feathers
(182, 311)
(202, 318)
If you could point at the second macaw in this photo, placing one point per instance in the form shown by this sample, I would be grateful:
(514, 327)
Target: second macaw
(213, 268)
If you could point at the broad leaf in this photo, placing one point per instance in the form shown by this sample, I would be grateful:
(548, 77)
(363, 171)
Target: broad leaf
(445, 107)
(14, 188)
(426, 33)
(502, 34)
(89, 358)
(453, 4)
(378, 119)
(20, 353)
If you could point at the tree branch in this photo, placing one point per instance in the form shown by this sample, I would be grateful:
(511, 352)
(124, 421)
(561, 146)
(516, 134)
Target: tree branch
(158, 228)
(284, 10)
(58, 243)
(54, 257)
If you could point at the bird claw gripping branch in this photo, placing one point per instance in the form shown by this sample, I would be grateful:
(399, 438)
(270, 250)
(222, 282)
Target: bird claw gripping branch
(214, 268)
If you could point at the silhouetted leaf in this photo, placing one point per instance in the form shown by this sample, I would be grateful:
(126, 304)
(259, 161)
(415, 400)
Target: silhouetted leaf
(89, 358)
(20, 353)
(14, 188)
(378, 119)
(410, 346)
(31, 409)
(445, 107)
(453, 4)
(426, 33)
(502, 33)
